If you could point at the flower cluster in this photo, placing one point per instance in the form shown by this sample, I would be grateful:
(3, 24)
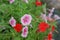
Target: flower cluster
(16, 26)
(25, 20)
(44, 25)
(49, 16)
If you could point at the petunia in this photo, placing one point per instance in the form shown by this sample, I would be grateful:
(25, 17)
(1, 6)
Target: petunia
(12, 22)
(44, 17)
(18, 27)
(56, 17)
(26, 1)
(11, 1)
(43, 26)
(24, 32)
(26, 19)
(38, 3)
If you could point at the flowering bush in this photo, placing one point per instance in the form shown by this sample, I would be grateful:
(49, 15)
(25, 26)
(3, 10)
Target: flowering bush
(26, 20)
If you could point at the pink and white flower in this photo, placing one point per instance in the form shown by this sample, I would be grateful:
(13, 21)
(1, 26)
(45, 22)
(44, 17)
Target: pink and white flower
(26, 19)
(12, 22)
(11, 1)
(24, 32)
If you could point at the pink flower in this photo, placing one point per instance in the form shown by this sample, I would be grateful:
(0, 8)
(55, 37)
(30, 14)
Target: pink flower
(26, 1)
(12, 22)
(56, 17)
(11, 1)
(24, 32)
(44, 17)
(26, 19)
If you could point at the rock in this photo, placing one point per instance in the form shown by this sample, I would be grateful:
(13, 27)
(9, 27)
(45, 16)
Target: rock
(53, 3)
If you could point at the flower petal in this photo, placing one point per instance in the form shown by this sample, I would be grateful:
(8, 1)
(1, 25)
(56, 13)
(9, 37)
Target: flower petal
(56, 17)
(25, 29)
(24, 35)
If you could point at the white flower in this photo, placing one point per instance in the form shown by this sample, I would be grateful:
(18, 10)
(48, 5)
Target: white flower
(56, 17)
(24, 32)
(52, 10)
(11, 1)
(12, 22)
(26, 19)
